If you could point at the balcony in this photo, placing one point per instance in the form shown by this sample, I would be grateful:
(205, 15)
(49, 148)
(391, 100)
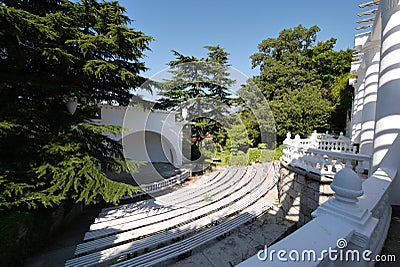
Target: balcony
(324, 155)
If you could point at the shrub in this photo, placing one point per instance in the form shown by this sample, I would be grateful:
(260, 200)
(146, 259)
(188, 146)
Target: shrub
(278, 152)
(254, 155)
(240, 159)
(267, 155)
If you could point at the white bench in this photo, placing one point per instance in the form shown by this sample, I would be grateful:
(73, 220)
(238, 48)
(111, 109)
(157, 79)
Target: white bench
(179, 206)
(171, 218)
(114, 253)
(146, 206)
(131, 235)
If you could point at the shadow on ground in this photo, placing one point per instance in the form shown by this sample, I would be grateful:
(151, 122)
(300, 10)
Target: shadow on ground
(148, 173)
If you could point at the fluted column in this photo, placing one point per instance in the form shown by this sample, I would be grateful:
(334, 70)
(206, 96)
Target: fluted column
(358, 106)
(371, 58)
(387, 129)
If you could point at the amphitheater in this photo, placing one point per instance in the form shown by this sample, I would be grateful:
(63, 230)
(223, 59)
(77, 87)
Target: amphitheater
(164, 229)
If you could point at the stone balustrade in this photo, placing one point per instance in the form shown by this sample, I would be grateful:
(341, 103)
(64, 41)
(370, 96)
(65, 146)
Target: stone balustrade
(323, 154)
(322, 141)
(161, 185)
(164, 184)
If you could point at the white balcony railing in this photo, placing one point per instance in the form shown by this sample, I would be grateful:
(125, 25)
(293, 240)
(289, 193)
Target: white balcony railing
(162, 185)
(323, 154)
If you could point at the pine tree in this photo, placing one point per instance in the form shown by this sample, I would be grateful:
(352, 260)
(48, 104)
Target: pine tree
(203, 87)
(51, 51)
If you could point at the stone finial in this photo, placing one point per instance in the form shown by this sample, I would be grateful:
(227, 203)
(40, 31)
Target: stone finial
(353, 82)
(288, 135)
(347, 186)
(314, 134)
(297, 137)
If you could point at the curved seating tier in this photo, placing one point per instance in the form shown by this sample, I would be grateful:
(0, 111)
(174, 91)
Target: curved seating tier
(124, 223)
(148, 206)
(235, 199)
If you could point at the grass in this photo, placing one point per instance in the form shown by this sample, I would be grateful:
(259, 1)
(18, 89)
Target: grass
(246, 158)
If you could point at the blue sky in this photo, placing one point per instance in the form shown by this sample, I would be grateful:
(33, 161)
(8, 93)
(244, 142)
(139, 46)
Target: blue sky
(238, 26)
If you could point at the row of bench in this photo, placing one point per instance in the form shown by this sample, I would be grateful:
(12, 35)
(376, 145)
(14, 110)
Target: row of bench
(130, 231)
(230, 210)
(126, 223)
(150, 205)
(162, 207)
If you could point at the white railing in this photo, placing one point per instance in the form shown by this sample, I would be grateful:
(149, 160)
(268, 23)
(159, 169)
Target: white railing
(324, 155)
(321, 141)
(161, 185)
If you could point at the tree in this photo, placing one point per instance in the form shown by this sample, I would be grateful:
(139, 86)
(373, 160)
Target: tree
(202, 86)
(52, 51)
(256, 115)
(297, 76)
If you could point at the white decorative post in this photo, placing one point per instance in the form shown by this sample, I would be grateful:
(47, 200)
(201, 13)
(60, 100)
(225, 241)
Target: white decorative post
(347, 186)
(314, 139)
(387, 129)
(371, 58)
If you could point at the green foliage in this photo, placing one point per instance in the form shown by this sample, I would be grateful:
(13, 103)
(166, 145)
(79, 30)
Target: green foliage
(267, 155)
(254, 155)
(202, 87)
(238, 137)
(342, 94)
(278, 152)
(240, 159)
(51, 51)
(301, 111)
(301, 79)
(256, 115)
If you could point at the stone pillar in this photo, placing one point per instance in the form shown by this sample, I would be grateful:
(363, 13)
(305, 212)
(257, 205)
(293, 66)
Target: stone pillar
(371, 58)
(387, 129)
(358, 106)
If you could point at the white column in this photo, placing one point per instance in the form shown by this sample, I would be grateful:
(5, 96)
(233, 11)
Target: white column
(358, 106)
(387, 130)
(371, 58)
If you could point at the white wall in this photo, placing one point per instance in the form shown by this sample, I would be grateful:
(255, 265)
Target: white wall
(163, 133)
